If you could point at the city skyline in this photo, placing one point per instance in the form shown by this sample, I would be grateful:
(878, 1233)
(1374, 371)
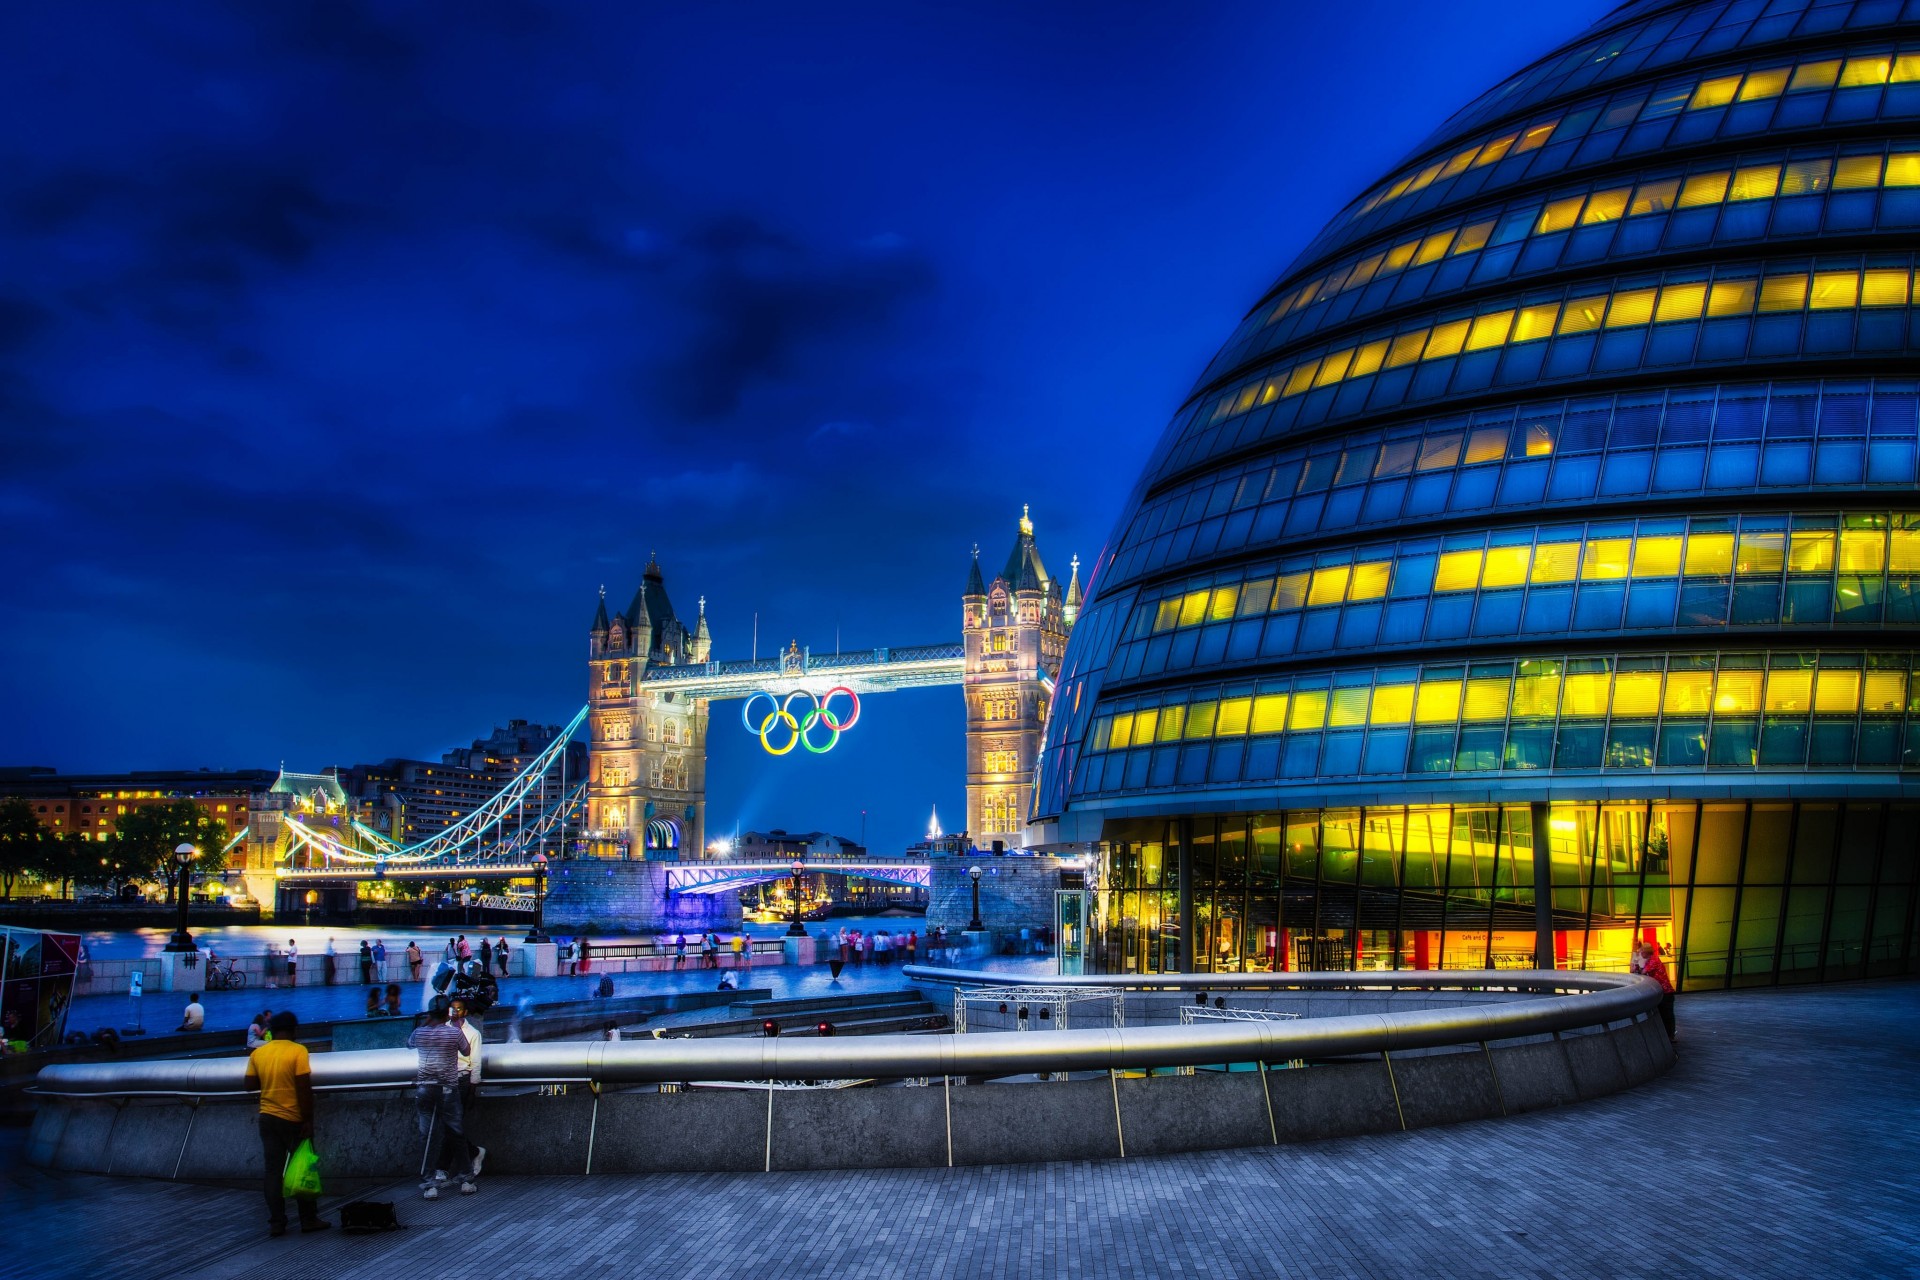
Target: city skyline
(342, 365)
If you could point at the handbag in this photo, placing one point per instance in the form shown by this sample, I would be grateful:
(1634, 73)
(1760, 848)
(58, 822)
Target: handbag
(302, 1176)
(364, 1217)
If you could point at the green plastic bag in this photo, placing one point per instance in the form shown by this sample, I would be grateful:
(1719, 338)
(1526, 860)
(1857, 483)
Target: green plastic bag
(302, 1177)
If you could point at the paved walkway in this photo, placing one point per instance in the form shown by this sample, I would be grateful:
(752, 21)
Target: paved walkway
(1783, 1144)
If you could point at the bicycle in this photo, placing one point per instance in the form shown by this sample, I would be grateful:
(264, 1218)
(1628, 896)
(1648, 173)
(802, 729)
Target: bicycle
(225, 979)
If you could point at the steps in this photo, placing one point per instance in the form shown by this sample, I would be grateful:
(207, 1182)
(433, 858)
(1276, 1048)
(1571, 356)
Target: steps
(876, 1013)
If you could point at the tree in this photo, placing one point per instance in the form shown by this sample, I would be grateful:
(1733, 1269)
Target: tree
(147, 837)
(19, 842)
(66, 859)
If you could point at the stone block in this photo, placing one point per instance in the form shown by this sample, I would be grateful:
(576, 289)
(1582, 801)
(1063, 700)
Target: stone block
(1596, 1065)
(1206, 1111)
(1334, 1101)
(1019, 1123)
(147, 1139)
(835, 1128)
(700, 1131)
(535, 1133)
(1445, 1087)
(1534, 1076)
(223, 1143)
(86, 1139)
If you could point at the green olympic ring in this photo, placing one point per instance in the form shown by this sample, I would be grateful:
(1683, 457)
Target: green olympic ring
(799, 726)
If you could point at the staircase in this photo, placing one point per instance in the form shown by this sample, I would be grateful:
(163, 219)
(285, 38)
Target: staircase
(874, 1013)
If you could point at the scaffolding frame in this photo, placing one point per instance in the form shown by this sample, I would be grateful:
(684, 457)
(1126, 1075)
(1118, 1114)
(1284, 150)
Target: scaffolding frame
(1057, 1000)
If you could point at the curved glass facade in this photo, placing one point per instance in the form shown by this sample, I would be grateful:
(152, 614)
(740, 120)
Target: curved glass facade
(1537, 565)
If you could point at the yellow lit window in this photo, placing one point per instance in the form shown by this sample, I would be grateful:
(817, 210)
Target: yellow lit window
(1688, 693)
(1247, 397)
(1535, 322)
(1270, 713)
(1835, 290)
(1657, 557)
(1200, 720)
(1535, 137)
(1681, 302)
(1366, 360)
(1400, 255)
(1438, 702)
(1222, 605)
(1487, 444)
(1811, 551)
(1270, 390)
(1906, 67)
(1558, 215)
(1903, 169)
(1582, 314)
(1761, 553)
(1814, 75)
(1606, 558)
(1333, 368)
(1506, 566)
(1364, 270)
(1256, 597)
(1458, 164)
(1495, 150)
(1349, 707)
(1585, 694)
(1884, 289)
(1425, 177)
(1433, 248)
(1406, 348)
(1329, 585)
(1193, 607)
(1717, 92)
(1709, 553)
(1862, 550)
(1392, 704)
(1636, 693)
(1755, 182)
(1904, 551)
(1605, 206)
(1290, 592)
(1837, 692)
(1370, 580)
(1458, 571)
(1489, 331)
(1807, 178)
(1447, 339)
(1309, 709)
(1730, 298)
(1537, 695)
(1539, 439)
(1783, 293)
(1145, 725)
(1472, 237)
(1486, 700)
(1122, 735)
(1855, 173)
(1438, 452)
(1172, 722)
(1859, 71)
(1168, 616)
(1233, 717)
(1556, 561)
(1704, 189)
(1885, 691)
(1764, 84)
(1654, 197)
(1789, 690)
(1302, 378)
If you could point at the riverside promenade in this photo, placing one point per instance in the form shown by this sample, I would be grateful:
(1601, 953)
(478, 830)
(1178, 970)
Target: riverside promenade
(1781, 1145)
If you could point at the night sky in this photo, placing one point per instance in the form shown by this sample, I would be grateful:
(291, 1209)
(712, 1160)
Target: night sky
(347, 349)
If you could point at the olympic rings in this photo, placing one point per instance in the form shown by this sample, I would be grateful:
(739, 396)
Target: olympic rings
(800, 727)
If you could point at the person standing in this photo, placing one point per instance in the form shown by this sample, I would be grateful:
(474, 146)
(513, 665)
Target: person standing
(366, 963)
(679, 950)
(500, 957)
(585, 952)
(469, 1066)
(328, 959)
(293, 963)
(282, 1074)
(1653, 967)
(436, 1097)
(453, 950)
(740, 950)
(379, 960)
(414, 958)
(463, 950)
(486, 956)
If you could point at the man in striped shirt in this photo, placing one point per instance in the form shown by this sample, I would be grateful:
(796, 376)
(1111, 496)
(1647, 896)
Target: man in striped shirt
(436, 1095)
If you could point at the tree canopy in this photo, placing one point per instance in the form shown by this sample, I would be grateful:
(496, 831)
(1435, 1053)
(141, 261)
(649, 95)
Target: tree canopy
(148, 835)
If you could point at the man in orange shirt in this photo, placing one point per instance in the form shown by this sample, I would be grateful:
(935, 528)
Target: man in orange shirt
(282, 1073)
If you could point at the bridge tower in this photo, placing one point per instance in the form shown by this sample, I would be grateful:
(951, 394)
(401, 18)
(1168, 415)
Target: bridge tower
(1015, 629)
(647, 754)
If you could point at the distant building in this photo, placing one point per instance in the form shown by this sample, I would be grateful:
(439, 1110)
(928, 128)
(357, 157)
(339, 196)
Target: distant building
(90, 805)
(435, 794)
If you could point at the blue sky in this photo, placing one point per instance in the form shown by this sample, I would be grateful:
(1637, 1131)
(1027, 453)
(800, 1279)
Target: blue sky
(346, 349)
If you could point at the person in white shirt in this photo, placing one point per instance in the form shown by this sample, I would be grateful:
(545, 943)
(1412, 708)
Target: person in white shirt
(195, 1018)
(469, 1069)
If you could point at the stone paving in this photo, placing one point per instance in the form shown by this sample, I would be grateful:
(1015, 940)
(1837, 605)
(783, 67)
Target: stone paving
(1783, 1144)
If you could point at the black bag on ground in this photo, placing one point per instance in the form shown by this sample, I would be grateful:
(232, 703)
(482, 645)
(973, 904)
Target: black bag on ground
(364, 1217)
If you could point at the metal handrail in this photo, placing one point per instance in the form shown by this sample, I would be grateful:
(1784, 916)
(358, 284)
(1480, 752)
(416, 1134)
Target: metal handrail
(1578, 1000)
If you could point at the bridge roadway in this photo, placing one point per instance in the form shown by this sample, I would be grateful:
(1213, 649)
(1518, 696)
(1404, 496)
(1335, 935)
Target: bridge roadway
(1782, 1145)
(863, 671)
(700, 877)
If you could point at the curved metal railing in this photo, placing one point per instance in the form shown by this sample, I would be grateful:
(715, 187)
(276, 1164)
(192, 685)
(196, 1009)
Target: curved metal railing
(1547, 1002)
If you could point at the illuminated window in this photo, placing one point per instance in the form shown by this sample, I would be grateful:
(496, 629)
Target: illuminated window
(1681, 302)
(1756, 182)
(1438, 702)
(1783, 293)
(1392, 704)
(1731, 298)
(1606, 206)
(1764, 84)
(1458, 571)
(1856, 172)
(1654, 197)
(1309, 709)
(1704, 188)
(1717, 92)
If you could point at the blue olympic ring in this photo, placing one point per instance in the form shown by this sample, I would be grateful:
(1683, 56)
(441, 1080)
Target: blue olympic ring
(800, 727)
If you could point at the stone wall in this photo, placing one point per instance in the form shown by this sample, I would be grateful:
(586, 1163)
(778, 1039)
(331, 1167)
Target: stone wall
(1016, 893)
(620, 895)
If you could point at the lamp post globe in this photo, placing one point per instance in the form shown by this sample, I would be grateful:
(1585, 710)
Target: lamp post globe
(974, 925)
(796, 929)
(539, 931)
(183, 857)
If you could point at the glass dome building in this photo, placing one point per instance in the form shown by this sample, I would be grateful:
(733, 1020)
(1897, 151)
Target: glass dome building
(1537, 566)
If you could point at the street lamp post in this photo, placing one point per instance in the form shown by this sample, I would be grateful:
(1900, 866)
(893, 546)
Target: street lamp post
(539, 932)
(796, 929)
(182, 940)
(974, 925)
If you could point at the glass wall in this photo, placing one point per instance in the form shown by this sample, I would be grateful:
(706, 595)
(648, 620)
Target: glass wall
(1737, 894)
